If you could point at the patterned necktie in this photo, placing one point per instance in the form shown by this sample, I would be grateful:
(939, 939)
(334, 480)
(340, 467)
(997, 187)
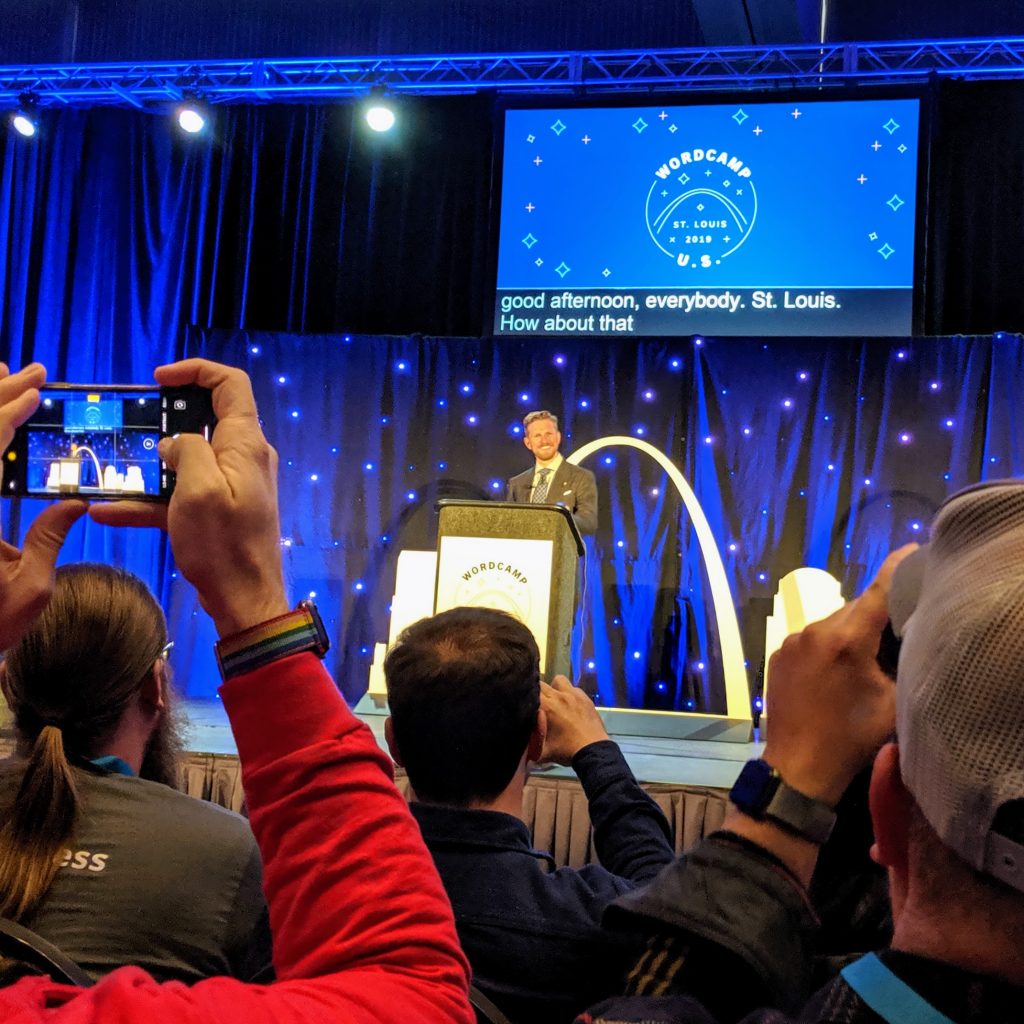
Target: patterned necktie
(540, 492)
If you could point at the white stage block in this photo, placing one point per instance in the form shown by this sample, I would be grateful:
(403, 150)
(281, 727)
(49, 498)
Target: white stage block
(413, 600)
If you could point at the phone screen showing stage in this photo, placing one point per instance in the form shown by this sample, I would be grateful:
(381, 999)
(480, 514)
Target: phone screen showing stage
(93, 444)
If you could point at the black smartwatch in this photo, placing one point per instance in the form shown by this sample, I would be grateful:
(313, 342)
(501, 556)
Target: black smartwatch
(761, 792)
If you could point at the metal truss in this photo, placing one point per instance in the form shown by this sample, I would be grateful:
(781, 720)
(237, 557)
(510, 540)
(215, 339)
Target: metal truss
(150, 85)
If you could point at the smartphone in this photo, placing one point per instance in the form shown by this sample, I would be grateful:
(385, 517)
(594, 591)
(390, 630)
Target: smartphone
(99, 441)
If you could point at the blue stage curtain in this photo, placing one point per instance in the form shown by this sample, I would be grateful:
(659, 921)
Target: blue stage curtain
(116, 231)
(779, 441)
(826, 454)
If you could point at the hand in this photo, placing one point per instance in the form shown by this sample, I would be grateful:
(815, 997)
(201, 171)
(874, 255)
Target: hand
(831, 707)
(26, 576)
(573, 721)
(222, 517)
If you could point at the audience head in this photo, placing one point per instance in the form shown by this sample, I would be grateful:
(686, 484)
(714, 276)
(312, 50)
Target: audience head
(91, 666)
(541, 434)
(957, 777)
(464, 692)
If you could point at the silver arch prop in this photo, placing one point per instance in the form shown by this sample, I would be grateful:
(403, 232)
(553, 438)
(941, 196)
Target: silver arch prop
(737, 692)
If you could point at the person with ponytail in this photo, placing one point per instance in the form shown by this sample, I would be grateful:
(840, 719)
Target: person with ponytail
(99, 853)
(363, 930)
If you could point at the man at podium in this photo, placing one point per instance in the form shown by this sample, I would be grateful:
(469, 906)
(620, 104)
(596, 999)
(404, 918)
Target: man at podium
(552, 480)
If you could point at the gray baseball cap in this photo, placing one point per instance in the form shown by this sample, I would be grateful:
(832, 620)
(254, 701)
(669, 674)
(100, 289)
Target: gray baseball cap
(957, 603)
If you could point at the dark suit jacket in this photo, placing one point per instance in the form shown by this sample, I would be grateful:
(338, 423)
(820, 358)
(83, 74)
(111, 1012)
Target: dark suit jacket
(571, 486)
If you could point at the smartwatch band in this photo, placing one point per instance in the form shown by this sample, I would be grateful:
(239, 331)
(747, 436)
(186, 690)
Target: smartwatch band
(295, 631)
(761, 792)
(809, 818)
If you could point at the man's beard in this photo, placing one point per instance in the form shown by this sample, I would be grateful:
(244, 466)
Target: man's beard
(165, 750)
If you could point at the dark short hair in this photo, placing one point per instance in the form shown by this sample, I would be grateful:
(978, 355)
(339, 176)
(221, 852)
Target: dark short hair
(464, 692)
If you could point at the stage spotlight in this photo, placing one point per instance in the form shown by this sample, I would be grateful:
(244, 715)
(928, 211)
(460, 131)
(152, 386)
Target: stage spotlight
(192, 116)
(25, 120)
(23, 124)
(380, 117)
(379, 110)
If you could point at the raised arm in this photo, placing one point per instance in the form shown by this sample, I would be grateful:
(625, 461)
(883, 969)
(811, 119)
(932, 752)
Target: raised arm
(631, 836)
(731, 920)
(362, 928)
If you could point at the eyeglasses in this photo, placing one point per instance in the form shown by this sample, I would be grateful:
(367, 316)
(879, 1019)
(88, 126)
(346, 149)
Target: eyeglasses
(166, 650)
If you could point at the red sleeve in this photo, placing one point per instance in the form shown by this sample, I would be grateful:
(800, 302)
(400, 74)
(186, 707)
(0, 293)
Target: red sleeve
(363, 931)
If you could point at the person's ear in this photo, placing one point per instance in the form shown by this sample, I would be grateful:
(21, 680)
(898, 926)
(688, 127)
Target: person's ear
(890, 811)
(526, 441)
(154, 689)
(389, 739)
(535, 748)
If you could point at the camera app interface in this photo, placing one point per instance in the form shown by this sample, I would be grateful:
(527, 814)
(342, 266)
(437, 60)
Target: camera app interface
(91, 443)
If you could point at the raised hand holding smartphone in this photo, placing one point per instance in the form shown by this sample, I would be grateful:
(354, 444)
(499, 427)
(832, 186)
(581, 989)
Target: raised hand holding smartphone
(100, 442)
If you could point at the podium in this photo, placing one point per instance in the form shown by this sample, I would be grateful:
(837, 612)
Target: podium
(517, 558)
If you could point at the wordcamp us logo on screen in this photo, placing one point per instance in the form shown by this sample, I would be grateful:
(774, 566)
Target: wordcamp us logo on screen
(701, 207)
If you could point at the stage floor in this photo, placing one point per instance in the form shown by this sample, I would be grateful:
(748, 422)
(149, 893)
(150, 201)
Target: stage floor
(653, 760)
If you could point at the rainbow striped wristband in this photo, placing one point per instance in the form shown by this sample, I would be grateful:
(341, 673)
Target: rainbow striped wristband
(298, 630)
